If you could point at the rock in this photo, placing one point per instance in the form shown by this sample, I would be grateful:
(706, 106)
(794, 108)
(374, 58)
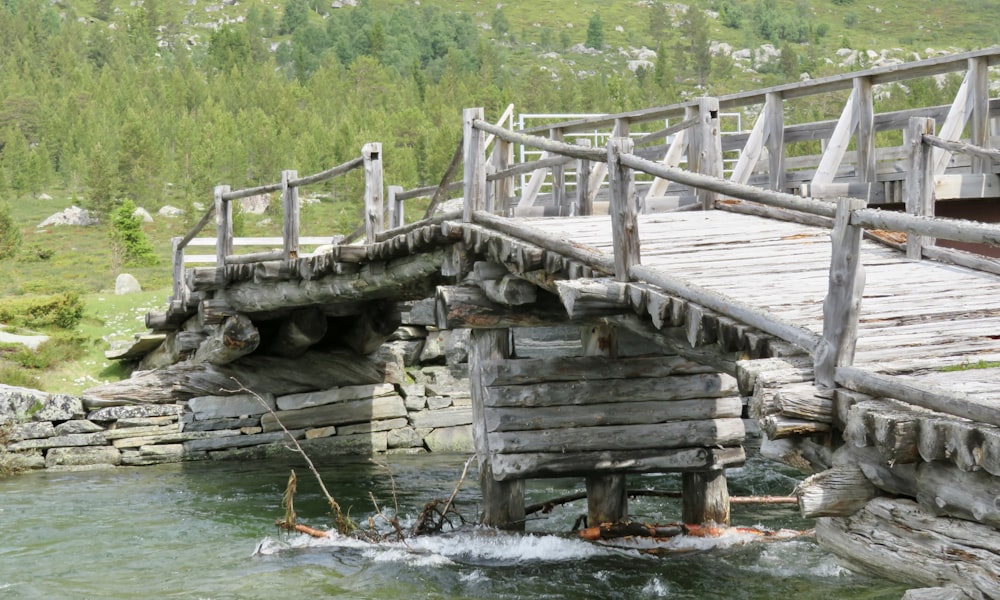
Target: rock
(238, 441)
(415, 403)
(381, 425)
(239, 405)
(31, 342)
(23, 461)
(77, 426)
(407, 352)
(446, 417)
(74, 215)
(71, 440)
(143, 214)
(405, 437)
(101, 455)
(217, 424)
(362, 443)
(44, 196)
(312, 434)
(255, 205)
(33, 431)
(126, 284)
(170, 212)
(438, 402)
(19, 404)
(134, 411)
(332, 396)
(450, 439)
(344, 413)
(421, 312)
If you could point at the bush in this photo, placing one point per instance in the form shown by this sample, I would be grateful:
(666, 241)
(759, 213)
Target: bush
(129, 243)
(63, 310)
(10, 235)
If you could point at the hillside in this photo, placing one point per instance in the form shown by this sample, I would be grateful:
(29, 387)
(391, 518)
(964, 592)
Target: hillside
(159, 101)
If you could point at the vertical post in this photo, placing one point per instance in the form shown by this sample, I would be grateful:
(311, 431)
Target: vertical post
(709, 158)
(843, 298)
(705, 497)
(223, 226)
(607, 499)
(775, 107)
(865, 109)
(503, 188)
(503, 501)
(290, 203)
(395, 207)
(558, 177)
(177, 254)
(918, 188)
(474, 149)
(584, 201)
(374, 208)
(979, 103)
(624, 226)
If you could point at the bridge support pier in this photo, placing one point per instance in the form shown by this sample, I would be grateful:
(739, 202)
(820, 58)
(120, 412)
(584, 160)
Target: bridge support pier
(706, 497)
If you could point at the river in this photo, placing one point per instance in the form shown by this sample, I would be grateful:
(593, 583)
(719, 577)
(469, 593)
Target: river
(206, 530)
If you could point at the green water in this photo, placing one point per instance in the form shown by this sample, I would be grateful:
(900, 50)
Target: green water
(206, 530)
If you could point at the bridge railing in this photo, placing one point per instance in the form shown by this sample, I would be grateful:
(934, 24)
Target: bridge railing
(849, 217)
(290, 241)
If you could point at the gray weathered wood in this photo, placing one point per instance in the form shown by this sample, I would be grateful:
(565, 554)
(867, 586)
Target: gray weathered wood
(583, 297)
(575, 368)
(290, 222)
(706, 497)
(468, 307)
(474, 151)
(919, 183)
(943, 489)
(837, 492)
(674, 434)
(298, 332)
(709, 149)
(234, 338)
(595, 391)
(774, 107)
(559, 464)
(624, 228)
(223, 225)
(843, 299)
(374, 194)
(865, 138)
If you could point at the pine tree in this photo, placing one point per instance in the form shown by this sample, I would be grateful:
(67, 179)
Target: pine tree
(595, 32)
(129, 243)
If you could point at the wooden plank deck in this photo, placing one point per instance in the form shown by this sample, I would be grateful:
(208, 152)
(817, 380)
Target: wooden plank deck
(916, 317)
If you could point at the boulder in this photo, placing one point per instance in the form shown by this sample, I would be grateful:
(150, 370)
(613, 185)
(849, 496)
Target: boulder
(100, 455)
(255, 205)
(126, 284)
(18, 404)
(450, 439)
(74, 215)
(143, 214)
(170, 212)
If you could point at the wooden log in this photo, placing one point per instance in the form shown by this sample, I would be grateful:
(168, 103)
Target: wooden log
(371, 153)
(176, 346)
(773, 371)
(674, 341)
(943, 489)
(897, 540)
(510, 291)
(624, 227)
(779, 427)
(371, 329)
(596, 391)
(676, 434)
(403, 278)
(919, 183)
(837, 492)
(936, 593)
(459, 307)
(474, 150)
(263, 374)
(213, 311)
(801, 453)
(843, 299)
(896, 479)
(622, 411)
(705, 497)
(560, 464)
(298, 332)
(574, 368)
(233, 339)
(223, 225)
(503, 501)
(585, 297)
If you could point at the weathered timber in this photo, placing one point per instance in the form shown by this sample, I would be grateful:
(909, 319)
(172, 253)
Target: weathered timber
(705, 497)
(921, 394)
(510, 291)
(409, 277)
(779, 427)
(843, 298)
(576, 251)
(674, 341)
(896, 479)
(596, 391)
(461, 307)
(559, 464)
(936, 593)
(341, 413)
(624, 228)
(919, 183)
(937, 227)
(503, 501)
(586, 297)
(574, 368)
(212, 311)
(621, 411)
(372, 328)
(773, 371)
(890, 427)
(176, 346)
(234, 339)
(277, 375)
(675, 434)
(943, 489)
(298, 332)
(803, 454)
(837, 492)
(897, 540)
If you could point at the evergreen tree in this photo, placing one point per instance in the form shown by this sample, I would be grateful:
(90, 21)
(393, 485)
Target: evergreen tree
(499, 23)
(129, 243)
(10, 235)
(595, 32)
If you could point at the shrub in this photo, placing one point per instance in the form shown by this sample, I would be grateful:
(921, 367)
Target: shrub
(10, 235)
(63, 310)
(128, 241)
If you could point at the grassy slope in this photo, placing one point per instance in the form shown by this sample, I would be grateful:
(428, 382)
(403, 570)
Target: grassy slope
(80, 258)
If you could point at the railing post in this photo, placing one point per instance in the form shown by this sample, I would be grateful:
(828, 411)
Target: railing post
(864, 108)
(979, 120)
(374, 209)
(475, 159)
(919, 184)
(775, 107)
(503, 188)
(395, 207)
(177, 258)
(223, 226)
(624, 226)
(558, 177)
(584, 202)
(290, 204)
(708, 155)
(842, 305)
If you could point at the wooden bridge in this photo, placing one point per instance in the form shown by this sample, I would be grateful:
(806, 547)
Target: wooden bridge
(810, 293)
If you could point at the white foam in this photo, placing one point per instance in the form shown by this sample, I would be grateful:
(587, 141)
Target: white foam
(656, 588)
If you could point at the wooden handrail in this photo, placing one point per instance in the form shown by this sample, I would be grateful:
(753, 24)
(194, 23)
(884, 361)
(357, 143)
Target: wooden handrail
(987, 153)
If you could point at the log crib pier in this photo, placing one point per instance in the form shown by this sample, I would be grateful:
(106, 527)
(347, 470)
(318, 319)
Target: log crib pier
(701, 279)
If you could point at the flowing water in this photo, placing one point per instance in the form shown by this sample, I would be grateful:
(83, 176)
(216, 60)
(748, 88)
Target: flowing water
(206, 530)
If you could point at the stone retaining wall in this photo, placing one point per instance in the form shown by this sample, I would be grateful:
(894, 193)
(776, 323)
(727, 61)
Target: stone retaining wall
(430, 410)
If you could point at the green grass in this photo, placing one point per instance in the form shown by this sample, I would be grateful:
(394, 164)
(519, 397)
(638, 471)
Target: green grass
(967, 366)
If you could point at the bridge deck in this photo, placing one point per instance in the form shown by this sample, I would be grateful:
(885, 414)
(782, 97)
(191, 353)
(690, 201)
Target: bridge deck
(916, 317)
